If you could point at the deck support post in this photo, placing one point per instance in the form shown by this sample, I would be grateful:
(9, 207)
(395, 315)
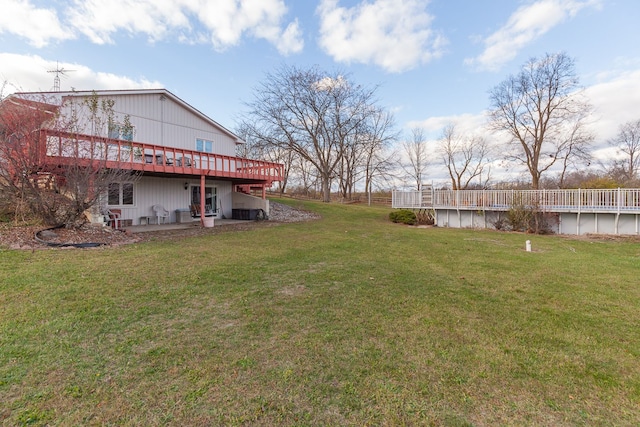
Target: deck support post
(484, 207)
(458, 208)
(578, 216)
(619, 203)
(202, 199)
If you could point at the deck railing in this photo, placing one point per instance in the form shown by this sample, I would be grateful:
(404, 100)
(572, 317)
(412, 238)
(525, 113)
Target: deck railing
(62, 147)
(572, 200)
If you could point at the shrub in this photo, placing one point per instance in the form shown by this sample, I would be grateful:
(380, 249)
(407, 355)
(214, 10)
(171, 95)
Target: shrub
(500, 222)
(529, 219)
(426, 217)
(520, 218)
(403, 216)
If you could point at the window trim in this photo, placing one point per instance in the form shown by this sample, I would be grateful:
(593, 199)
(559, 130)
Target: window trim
(121, 194)
(204, 145)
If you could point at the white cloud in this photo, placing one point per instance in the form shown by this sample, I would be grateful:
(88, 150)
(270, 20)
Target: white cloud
(523, 27)
(291, 39)
(465, 123)
(98, 20)
(228, 20)
(39, 26)
(393, 34)
(223, 23)
(616, 101)
(27, 73)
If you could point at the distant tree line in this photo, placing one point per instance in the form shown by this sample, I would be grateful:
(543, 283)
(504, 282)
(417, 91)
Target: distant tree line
(334, 138)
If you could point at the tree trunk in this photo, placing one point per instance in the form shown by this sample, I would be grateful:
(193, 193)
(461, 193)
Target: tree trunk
(326, 189)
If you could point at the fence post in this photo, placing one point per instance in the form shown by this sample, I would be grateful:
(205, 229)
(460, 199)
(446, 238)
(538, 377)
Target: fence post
(619, 200)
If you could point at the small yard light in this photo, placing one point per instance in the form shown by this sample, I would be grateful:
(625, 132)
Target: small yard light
(186, 185)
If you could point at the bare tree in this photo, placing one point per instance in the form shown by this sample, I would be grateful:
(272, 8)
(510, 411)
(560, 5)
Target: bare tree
(417, 154)
(364, 155)
(347, 169)
(50, 166)
(538, 108)
(312, 113)
(262, 145)
(627, 143)
(377, 156)
(577, 153)
(466, 157)
(306, 177)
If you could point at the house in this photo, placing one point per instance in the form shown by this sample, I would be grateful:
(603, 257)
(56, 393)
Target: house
(183, 159)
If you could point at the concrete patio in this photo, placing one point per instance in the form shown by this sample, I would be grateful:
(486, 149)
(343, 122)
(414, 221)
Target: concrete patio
(179, 226)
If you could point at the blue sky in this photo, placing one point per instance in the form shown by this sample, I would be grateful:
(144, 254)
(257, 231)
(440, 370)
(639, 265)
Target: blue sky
(435, 61)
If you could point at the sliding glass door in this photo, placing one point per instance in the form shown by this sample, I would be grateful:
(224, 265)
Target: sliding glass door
(210, 199)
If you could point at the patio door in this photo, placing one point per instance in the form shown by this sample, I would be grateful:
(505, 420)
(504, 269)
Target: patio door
(210, 198)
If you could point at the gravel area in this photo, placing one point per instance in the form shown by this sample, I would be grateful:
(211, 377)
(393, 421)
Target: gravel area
(23, 237)
(285, 213)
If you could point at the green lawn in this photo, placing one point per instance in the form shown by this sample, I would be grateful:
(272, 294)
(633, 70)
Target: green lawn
(349, 320)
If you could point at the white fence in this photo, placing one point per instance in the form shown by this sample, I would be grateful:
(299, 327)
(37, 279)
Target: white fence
(618, 200)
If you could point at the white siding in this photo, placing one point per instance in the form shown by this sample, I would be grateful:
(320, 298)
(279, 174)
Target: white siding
(159, 120)
(564, 223)
(170, 193)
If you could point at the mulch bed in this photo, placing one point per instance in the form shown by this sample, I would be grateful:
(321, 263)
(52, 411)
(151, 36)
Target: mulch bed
(23, 236)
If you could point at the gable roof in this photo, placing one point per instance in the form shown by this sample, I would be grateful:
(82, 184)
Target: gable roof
(160, 92)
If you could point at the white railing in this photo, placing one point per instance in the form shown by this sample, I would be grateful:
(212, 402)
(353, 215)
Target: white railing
(573, 200)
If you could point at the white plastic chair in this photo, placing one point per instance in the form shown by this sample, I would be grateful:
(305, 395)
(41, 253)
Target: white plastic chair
(113, 218)
(160, 212)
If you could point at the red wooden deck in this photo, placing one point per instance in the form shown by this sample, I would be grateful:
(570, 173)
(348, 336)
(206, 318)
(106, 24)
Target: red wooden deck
(63, 147)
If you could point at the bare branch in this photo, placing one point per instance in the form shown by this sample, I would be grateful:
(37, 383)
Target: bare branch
(540, 109)
(627, 143)
(60, 191)
(321, 118)
(465, 157)
(417, 155)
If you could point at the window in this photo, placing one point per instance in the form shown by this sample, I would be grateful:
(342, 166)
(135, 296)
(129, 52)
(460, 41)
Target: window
(114, 131)
(127, 193)
(118, 131)
(204, 145)
(120, 193)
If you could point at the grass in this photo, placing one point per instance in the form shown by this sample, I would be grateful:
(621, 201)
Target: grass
(349, 320)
